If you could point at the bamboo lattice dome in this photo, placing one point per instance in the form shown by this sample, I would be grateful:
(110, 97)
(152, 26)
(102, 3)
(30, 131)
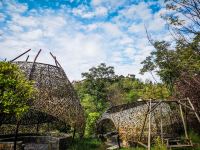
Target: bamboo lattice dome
(129, 119)
(56, 96)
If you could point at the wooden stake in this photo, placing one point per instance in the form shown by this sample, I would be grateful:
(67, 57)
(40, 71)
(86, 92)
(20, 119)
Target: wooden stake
(20, 55)
(149, 135)
(74, 132)
(33, 66)
(144, 124)
(16, 134)
(198, 118)
(27, 58)
(161, 124)
(183, 120)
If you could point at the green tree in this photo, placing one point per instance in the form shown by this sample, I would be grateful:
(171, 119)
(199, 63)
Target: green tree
(15, 90)
(170, 63)
(96, 82)
(91, 123)
(183, 17)
(164, 61)
(93, 93)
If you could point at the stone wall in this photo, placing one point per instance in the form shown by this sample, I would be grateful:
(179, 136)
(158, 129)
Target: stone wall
(48, 142)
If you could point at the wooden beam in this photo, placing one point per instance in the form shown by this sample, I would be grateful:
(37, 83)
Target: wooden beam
(183, 120)
(185, 105)
(161, 124)
(154, 107)
(142, 144)
(56, 62)
(27, 58)
(33, 66)
(54, 57)
(144, 124)
(20, 55)
(197, 116)
(149, 135)
(16, 134)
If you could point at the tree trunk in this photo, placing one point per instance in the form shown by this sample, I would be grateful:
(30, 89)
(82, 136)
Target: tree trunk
(16, 134)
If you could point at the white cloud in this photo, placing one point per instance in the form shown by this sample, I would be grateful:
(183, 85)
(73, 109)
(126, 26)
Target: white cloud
(111, 29)
(137, 28)
(14, 7)
(2, 17)
(78, 46)
(85, 12)
(101, 11)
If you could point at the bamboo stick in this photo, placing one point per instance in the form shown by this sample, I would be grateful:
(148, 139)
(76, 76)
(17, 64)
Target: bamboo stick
(183, 120)
(198, 118)
(149, 135)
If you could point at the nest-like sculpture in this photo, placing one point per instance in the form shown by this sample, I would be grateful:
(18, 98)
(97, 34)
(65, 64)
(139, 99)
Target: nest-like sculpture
(56, 96)
(131, 121)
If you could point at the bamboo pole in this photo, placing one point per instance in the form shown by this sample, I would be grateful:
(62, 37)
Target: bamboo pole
(144, 124)
(20, 55)
(149, 135)
(185, 105)
(33, 66)
(198, 118)
(16, 134)
(27, 58)
(161, 124)
(183, 120)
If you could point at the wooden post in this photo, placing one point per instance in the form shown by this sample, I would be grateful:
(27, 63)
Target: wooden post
(33, 66)
(20, 55)
(118, 140)
(27, 58)
(183, 120)
(74, 132)
(161, 124)
(144, 124)
(16, 134)
(198, 118)
(37, 128)
(48, 128)
(149, 135)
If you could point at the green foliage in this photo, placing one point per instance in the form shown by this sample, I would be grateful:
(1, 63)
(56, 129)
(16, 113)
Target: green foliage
(91, 123)
(195, 137)
(135, 148)
(155, 91)
(96, 81)
(102, 89)
(183, 16)
(159, 145)
(170, 63)
(15, 90)
(87, 144)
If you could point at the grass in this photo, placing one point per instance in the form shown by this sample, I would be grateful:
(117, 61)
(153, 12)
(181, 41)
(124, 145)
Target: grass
(87, 144)
(95, 144)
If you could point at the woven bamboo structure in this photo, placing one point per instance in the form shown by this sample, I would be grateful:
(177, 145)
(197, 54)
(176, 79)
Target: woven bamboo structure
(131, 121)
(56, 98)
(56, 95)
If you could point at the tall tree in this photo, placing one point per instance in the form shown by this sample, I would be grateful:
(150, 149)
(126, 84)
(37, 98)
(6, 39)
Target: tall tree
(96, 81)
(183, 17)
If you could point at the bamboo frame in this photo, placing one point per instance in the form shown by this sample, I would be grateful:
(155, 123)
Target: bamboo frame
(56, 97)
(151, 105)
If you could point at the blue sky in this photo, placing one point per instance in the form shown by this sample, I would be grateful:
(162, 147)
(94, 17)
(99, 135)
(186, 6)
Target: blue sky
(82, 33)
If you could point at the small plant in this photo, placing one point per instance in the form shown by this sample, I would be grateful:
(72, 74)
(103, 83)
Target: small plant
(159, 145)
(16, 91)
(87, 144)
